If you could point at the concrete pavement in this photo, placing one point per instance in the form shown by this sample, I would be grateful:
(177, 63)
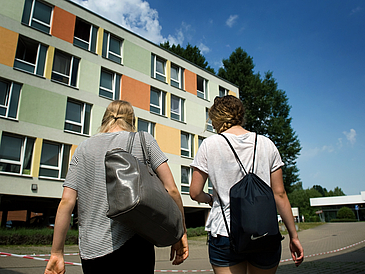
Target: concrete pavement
(329, 249)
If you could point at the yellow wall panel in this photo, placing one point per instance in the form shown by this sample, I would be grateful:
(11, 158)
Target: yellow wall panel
(99, 45)
(232, 93)
(37, 157)
(168, 71)
(9, 41)
(49, 62)
(168, 139)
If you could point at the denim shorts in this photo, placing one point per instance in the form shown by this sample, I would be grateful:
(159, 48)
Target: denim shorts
(220, 254)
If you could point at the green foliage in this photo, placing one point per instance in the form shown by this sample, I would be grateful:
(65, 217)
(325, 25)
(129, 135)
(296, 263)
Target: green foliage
(343, 220)
(190, 53)
(197, 231)
(300, 198)
(336, 192)
(267, 109)
(345, 213)
(27, 236)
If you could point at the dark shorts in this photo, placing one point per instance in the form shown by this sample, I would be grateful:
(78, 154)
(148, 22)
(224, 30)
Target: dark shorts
(220, 254)
(137, 255)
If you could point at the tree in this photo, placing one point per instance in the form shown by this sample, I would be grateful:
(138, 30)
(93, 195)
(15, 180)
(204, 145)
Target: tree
(267, 109)
(321, 190)
(190, 53)
(301, 198)
(345, 213)
(336, 192)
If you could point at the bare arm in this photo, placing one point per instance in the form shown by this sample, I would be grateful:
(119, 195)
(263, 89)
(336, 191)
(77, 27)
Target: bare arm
(196, 187)
(180, 250)
(284, 208)
(63, 218)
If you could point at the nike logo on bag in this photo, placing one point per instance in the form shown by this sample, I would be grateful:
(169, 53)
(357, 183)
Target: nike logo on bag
(258, 237)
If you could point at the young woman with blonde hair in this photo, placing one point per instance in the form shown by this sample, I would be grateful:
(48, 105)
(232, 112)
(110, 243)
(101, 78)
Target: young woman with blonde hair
(107, 246)
(215, 160)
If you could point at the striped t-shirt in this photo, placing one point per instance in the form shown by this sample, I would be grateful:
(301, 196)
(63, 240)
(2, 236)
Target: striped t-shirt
(99, 235)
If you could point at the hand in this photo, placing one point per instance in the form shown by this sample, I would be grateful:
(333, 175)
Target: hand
(297, 251)
(55, 265)
(180, 250)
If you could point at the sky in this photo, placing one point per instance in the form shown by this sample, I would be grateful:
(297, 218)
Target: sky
(315, 49)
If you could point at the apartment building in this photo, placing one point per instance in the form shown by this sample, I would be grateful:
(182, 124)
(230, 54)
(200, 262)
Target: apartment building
(60, 67)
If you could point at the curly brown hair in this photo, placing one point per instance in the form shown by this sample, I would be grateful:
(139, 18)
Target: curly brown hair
(226, 112)
(118, 113)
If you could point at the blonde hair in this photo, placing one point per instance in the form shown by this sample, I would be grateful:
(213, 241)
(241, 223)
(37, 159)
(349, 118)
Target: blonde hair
(118, 113)
(226, 112)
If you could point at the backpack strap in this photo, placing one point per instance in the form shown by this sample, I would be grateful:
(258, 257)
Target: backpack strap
(254, 154)
(130, 141)
(234, 152)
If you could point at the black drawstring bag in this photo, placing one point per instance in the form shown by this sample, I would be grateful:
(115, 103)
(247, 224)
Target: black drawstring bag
(253, 224)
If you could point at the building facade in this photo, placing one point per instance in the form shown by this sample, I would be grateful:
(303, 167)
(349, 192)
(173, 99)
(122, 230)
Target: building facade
(60, 67)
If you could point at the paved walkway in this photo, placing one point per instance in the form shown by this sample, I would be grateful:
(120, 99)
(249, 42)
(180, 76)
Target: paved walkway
(332, 248)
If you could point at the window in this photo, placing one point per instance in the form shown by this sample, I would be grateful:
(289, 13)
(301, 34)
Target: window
(16, 154)
(177, 108)
(54, 160)
(200, 140)
(109, 84)
(158, 68)
(185, 179)
(177, 76)
(9, 98)
(38, 15)
(210, 186)
(157, 101)
(112, 47)
(187, 145)
(78, 117)
(209, 124)
(222, 91)
(65, 68)
(202, 87)
(30, 56)
(85, 35)
(144, 125)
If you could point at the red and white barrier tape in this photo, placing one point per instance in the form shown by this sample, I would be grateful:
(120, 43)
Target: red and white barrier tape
(35, 257)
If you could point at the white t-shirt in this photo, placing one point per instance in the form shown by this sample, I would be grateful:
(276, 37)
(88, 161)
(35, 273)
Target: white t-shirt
(216, 159)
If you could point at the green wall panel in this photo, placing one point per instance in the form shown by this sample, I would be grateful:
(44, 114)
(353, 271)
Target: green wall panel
(12, 9)
(42, 107)
(137, 58)
(89, 79)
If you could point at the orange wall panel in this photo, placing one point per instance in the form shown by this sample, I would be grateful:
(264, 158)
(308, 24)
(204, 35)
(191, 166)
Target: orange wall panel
(190, 82)
(9, 41)
(63, 25)
(135, 92)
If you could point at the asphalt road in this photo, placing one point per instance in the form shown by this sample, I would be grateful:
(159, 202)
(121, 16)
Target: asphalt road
(329, 249)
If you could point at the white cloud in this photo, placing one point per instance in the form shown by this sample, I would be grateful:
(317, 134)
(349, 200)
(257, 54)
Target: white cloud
(203, 48)
(134, 15)
(231, 20)
(356, 10)
(351, 136)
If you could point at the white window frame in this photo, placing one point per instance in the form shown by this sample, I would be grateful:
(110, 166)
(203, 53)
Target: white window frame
(82, 115)
(9, 99)
(90, 34)
(190, 148)
(202, 93)
(177, 81)
(223, 90)
(71, 69)
(113, 90)
(33, 65)
(61, 151)
(157, 74)
(109, 52)
(187, 185)
(162, 105)
(180, 112)
(150, 126)
(22, 157)
(209, 125)
(210, 186)
(31, 17)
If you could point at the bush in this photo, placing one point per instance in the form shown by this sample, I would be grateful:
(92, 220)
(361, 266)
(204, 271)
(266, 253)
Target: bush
(197, 231)
(27, 236)
(343, 220)
(345, 213)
